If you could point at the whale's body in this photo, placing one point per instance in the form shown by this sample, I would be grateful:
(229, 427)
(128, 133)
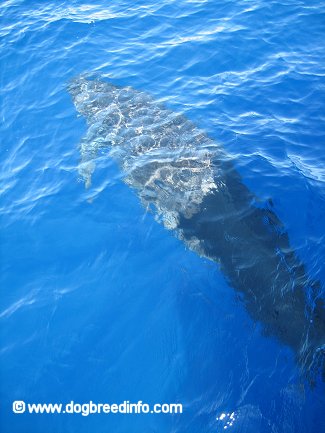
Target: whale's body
(194, 190)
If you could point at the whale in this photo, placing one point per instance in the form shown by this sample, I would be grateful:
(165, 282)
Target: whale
(191, 186)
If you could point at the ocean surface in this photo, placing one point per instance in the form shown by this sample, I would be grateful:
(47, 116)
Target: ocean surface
(100, 302)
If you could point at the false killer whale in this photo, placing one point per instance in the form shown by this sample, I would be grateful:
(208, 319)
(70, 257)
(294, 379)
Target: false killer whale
(192, 187)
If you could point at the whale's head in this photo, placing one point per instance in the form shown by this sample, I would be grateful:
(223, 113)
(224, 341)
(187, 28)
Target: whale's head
(161, 153)
(101, 101)
(107, 109)
(94, 99)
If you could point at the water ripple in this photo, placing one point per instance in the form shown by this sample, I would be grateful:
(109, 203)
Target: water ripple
(248, 72)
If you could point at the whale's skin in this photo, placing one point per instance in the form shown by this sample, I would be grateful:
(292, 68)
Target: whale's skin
(191, 186)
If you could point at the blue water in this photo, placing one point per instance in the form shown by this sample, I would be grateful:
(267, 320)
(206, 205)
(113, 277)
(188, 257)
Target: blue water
(98, 301)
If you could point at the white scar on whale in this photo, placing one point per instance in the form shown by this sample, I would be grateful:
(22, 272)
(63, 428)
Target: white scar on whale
(192, 187)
